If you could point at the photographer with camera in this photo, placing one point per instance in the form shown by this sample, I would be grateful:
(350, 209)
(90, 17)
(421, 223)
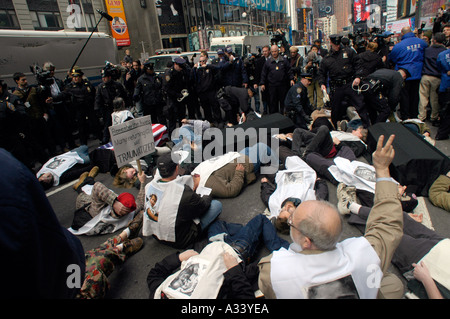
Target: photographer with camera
(105, 95)
(33, 97)
(313, 60)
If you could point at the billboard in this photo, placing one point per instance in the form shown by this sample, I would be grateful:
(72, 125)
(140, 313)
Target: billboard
(360, 12)
(325, 8)
(170, 16)
(266, 5)
(118, 25)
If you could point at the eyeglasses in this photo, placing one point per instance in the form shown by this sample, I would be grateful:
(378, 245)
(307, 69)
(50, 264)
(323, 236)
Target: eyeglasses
(202, 61)
(290, 224)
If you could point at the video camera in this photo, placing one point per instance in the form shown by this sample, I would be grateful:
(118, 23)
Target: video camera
(43, 78)
(111, 70)
(358, 40)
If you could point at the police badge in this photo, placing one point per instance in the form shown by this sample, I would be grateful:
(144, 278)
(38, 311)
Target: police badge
(299, 90)
(167, 78)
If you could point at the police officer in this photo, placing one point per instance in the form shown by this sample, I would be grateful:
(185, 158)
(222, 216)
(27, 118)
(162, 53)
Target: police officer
(81, 96)
(277, 74)
(148, 93)
(175, 85)
(204, 81)
(341, 65)
(297, 104)
(105, 95)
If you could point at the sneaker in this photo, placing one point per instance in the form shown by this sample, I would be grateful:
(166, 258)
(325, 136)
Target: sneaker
(351, 192)
(135, 225)
(80, 180)
(94, 172)
(132, 246)
(343, 199)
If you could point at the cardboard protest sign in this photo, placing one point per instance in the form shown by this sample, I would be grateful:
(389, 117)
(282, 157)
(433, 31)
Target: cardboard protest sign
(132, 140)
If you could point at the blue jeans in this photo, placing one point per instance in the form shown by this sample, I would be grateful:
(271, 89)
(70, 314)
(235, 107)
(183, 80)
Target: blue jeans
(213, 212)
(83, 152)
(247, 238)
(259, 154)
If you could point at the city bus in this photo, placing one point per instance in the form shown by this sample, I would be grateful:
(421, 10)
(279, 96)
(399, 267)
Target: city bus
(22, 49)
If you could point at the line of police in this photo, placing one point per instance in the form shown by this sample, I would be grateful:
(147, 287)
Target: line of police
(35, 120)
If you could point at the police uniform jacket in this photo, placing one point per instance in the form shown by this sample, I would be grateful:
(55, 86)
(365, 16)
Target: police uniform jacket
(107, 92)
(204, 78)
(340, 65)
(297, 99)
(175, 81)
(80, 94)
(148, 89)
(234, 73)
(276, 72)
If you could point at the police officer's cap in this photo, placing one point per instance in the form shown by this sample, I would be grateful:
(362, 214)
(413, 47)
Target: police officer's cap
(180, 61)
(106, 72)
(307, 76)
(335, 39)
(148, 64)
(229, 50)
(76, 71)
(220, 51)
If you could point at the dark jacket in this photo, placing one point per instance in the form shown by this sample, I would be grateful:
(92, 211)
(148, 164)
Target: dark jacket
(148, 89)
(175, 81)
(191, 206)
(370, 62)
(339, 65)
(107, 92)
(276, 73)
(36, 248)
(392, 84)
(429, 60)
(234, 286)
(233, 73)
(204, 78)
(80, 95)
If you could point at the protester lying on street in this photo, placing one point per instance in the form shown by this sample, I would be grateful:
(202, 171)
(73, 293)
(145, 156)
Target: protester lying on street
(420, 246)
(99, 210)
(439, 192)
(66, 167)
(102, 260)
(228, 174)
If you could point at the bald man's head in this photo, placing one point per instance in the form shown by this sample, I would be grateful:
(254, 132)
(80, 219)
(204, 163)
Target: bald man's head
(316, 221)
(406, 30)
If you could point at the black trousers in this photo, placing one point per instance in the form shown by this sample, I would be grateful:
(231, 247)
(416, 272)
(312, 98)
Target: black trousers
(277, 94)
(339, 110)
(444, 114)
(377, 106)
(409, 100)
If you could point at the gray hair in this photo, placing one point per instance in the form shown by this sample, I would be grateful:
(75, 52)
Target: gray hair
(312, 227)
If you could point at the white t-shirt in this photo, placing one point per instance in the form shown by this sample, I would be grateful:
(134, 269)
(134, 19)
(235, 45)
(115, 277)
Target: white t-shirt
(297, 180)
(59, 164)
(351, 270)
